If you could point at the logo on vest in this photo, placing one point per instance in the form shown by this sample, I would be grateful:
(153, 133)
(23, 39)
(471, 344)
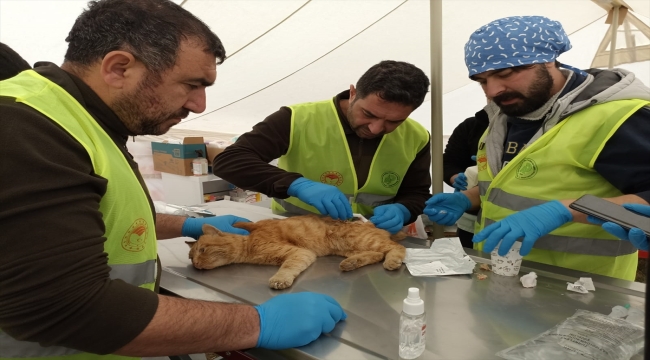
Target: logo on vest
(526, 170)
(333, 178)
(136, 237)
(389, 179)
(481, 162)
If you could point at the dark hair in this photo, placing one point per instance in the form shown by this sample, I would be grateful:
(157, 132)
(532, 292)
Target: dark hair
(394, 81)
(11, 64)
(151, 30)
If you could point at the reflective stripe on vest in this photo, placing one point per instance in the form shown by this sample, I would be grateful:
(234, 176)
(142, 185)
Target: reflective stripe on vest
(126, 213)
(541, 173)
(319, 151)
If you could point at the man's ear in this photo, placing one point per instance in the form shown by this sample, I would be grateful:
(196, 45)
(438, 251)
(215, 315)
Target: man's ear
(353, 92)
(119, 69)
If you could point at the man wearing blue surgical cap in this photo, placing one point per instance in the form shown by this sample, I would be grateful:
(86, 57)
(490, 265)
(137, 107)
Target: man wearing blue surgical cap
(555, 134)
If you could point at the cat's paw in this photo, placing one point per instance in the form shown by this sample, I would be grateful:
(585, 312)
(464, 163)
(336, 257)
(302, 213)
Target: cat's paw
(349, 264)
(392, 264)
(280, 282)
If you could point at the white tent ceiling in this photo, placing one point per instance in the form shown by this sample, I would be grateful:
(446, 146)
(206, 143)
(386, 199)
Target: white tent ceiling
(290, 51)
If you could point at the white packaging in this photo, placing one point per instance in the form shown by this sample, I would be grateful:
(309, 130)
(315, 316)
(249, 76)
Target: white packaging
(509, 264)
(471, 173)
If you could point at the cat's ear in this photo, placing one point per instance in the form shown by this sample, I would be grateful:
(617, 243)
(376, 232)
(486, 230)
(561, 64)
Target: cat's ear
(210, 230)
(191, 243)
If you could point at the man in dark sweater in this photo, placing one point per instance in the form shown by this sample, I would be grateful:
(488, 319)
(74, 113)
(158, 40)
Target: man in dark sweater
(460, 153)
(556, 133)
(78, 239)
(357, 148)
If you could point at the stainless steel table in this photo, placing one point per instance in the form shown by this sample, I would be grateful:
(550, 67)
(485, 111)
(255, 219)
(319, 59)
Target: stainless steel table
(467, 318)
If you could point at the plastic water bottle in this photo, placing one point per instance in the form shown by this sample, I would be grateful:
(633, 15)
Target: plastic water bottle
(412, 326)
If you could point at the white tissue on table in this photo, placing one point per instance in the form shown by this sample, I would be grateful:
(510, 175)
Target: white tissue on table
(445, 257)
(587, 283)
(583, 285)
(529, 280)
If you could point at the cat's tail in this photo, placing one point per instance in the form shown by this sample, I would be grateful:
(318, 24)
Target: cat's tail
(250, 226)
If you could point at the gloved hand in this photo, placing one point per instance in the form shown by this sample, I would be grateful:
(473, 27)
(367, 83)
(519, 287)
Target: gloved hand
(460, 182)
(292, 320)
(192, 226)
(636, 236)
(531, 224)
(390, 217)
(327, 199)
(445, 208)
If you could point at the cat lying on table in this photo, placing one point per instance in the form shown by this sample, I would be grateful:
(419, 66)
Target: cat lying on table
(294, 243)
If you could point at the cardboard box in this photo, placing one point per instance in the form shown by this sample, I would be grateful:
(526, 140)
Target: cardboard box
(177, 158)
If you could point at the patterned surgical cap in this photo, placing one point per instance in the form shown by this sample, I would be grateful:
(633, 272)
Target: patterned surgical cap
(515, 41)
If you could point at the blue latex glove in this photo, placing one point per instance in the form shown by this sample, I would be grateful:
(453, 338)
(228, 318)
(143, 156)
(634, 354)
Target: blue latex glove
(192, 226)
(292, 320)
(445, 208)
(531, 224)
(327, 199)
(473, 157)
(460, 182)
(390, 217)
(636, 236)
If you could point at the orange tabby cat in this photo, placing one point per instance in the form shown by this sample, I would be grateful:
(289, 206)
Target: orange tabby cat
(294, 243)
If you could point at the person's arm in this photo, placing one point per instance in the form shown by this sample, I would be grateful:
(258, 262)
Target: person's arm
(414, 190)
(457, 155)
(54, 279)
(182, 326)
(169, 226)
(623, 162)
(246, 162)
(473, 195)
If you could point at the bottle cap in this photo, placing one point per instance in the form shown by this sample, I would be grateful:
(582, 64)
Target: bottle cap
(413, 305)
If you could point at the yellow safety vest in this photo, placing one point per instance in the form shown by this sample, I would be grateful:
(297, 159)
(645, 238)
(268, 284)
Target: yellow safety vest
(319, 151)
(560, 165)
(130, 228)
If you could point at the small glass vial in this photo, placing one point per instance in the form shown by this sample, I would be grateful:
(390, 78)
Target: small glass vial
(412, 326)
(200, 165)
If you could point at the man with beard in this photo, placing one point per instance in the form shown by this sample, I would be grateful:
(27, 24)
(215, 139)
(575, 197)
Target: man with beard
(357, 152)
(79, 230)
(555, 134)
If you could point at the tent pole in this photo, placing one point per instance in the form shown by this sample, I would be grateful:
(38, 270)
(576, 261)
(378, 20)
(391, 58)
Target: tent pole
(612, 44)
(435, 21)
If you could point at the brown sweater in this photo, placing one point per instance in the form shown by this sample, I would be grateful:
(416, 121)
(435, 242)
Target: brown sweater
(54, 276)
(245, 163)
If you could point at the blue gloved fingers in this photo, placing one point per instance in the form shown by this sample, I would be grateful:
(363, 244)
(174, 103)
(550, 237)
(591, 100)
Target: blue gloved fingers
(337, 311)
(234, 230)
(473, 157)
(319, 205)
(343, 207)
(237, 219)
(332, 207)
(459, 186)
(594, 220)
(493, 239)
(436, 199)
(448, 218)
(509, 238)
(615, 230)
(638, 208)
(638, 238)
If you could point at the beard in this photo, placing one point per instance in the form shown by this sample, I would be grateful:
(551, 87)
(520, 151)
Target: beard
(537, 95)
(143, 112)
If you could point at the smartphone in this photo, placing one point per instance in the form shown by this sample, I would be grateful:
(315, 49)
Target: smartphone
(608, 211)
